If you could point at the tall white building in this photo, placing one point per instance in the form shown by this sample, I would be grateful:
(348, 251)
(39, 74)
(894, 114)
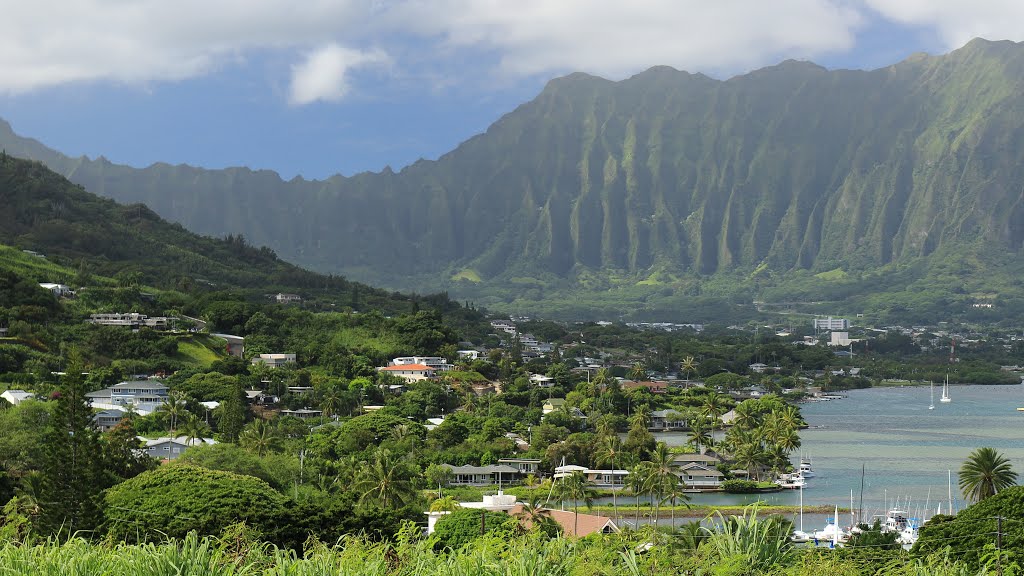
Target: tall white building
(831, 323)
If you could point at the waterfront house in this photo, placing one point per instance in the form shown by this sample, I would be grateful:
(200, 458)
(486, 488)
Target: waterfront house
(700, 476)
(573, 524)
(485, 475)
(667, 420)
(525, 466)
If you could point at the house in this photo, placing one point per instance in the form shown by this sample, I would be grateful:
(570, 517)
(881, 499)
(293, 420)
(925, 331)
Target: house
(16, 397)
(410, 372)
(235, 344)
(141, 396)
(132, 320)
(525, 465)
(840, 339)
(273, 360)
(107, 419)
(468, 354)
(59, 290)
(485, 475)
(701, 476)
(435, 363)
(728, 418)
(599, 478)
(542, 381)
(303, 413)
(706, 458)
(667, 420)
(552, 404)
(282, 298)
(172, 448)
(758, 367)
(655, 387)
(574, 524)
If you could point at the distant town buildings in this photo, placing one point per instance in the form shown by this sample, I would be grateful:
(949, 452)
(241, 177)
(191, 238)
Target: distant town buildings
(830, 324)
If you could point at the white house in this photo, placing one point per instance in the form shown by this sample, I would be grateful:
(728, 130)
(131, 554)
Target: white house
(436, 363)
(758, 367)
(59, 290)
(542, 381)
(667, 420)
(485, 475)
(132, 320)
(143, 396)
(696, 475)
(468, 354)
(16, 397)
(410, 372)
(273, 360)
(282, 298)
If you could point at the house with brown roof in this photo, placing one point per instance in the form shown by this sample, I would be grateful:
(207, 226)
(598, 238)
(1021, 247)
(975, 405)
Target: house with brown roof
(573, 524)
(658, 387)
(700, 476)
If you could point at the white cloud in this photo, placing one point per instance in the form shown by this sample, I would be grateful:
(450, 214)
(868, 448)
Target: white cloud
(958, 21)
(615, 38)
(46, 43)
(324, 73)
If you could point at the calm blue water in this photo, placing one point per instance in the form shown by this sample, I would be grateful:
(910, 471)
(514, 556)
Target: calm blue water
(906, 448)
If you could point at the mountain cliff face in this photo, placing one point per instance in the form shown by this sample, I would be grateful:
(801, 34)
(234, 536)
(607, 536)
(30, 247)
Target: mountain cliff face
(666, 176)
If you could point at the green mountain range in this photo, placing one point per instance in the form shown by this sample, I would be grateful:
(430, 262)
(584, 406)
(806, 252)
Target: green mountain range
(897, 192)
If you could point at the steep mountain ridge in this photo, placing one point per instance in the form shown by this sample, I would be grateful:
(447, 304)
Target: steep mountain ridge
(662, 178)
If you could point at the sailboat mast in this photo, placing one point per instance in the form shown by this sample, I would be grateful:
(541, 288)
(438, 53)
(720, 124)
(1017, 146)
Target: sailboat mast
(860, 509)
(949, 487)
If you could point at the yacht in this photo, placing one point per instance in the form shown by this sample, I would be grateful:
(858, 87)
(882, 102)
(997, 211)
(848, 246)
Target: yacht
(791, 481)
(832, 533)
(805, 468)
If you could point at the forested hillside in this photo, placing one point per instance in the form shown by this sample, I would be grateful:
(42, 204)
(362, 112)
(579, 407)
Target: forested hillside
(651, 191)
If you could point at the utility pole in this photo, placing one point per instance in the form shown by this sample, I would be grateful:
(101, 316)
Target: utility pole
(999, 545)
(483, 521)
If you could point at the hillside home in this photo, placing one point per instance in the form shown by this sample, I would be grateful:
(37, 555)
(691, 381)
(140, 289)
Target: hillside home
(758, 367)
(132, 320)
(655, 387)
(172, 448)
(468, 354)
(142, 396)
(436, 363)
(59, 290)
(273, 360)
(16, 397)
(410, 372)
(282, 298)
(107, 419)
(542, 381)
(304, 413)
(552, 404)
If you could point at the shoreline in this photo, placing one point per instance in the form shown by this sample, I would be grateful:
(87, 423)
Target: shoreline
(705, 510)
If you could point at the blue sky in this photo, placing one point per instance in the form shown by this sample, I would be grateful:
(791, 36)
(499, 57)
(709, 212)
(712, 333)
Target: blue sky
(342, 86)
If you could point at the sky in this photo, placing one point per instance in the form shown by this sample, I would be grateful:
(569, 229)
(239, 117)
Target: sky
(325, 87)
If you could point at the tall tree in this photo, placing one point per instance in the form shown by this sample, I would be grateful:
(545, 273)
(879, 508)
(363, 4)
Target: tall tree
(386, 481)
(985, 473)
(232, 415)
(576, 488)
(609, 454)
(73, 474)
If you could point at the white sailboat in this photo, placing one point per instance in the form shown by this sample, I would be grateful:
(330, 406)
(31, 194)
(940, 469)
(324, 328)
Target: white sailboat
(932, 405)
(945, 391)
(799, 536)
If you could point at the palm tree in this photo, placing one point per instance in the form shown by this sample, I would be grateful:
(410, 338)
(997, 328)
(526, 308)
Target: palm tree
(259, 436)
(699, 435)
(713, 408)
(664, 473)
(984, 474)
(674, 492)
(689, 364)
(194, 429)
(535, 515)
(638, 483)
(608, 454)
(332, 401)
(174, 409)
(386, 481)
(576, 488)
(638, 372)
